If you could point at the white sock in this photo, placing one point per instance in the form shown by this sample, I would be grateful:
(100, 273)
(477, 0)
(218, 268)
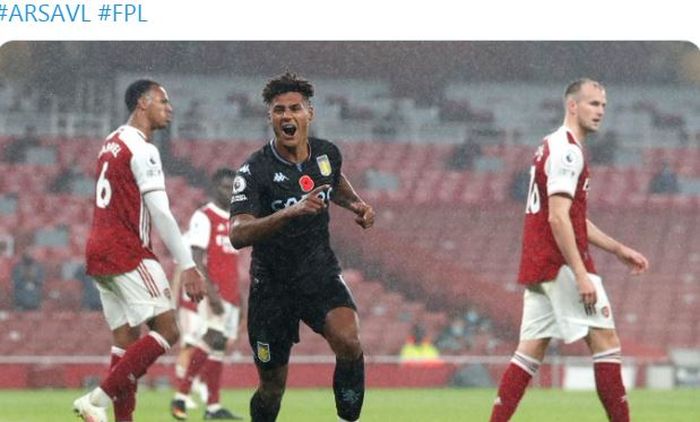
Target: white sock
(343, 420)
(180, 396)
(99, 398)
(213, 407)
(180, 371)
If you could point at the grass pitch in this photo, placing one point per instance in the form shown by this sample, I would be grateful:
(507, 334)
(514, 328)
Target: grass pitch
(404, 405)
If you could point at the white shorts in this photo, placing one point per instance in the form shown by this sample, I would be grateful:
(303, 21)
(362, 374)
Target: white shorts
(226, 323)
(135, 297)
(554, 309)
(192, 326)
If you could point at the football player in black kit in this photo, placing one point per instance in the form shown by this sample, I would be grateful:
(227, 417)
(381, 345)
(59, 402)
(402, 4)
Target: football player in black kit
(280, 206)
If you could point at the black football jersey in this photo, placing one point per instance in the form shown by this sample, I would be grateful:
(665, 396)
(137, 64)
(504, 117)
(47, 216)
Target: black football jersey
(267, 183)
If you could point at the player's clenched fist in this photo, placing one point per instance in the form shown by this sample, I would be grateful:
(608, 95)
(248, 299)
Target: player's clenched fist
(193, 283)
(365, 214)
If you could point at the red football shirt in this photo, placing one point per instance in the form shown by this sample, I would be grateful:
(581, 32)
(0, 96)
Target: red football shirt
(208, 230)
(559, 167)
(127, 168)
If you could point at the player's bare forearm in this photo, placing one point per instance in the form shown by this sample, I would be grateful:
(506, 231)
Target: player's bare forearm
(600, 239)
(247, 229)
(344, 194)
(563, 232)
(636, 261)
(198, 256)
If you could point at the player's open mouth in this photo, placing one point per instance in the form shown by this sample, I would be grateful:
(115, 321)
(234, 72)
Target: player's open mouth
(289, 129)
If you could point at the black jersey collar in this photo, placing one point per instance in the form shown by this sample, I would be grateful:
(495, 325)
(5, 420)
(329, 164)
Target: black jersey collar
(287, 162)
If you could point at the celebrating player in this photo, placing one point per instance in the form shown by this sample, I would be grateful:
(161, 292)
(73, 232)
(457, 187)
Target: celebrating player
(217, 260)
(130, 192)
(280, 207)
(564, 297)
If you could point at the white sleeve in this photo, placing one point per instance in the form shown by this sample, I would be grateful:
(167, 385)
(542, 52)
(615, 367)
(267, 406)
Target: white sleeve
(564, 166)
(199, 232)
(147, 168)
(159, 208)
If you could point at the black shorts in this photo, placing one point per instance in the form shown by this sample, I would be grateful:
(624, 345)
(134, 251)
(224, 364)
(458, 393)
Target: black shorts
(274, 312)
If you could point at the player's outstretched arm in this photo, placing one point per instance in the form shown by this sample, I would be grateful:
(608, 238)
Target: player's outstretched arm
(345, 196)
(247, 229)
(159, 209)
(637, 262)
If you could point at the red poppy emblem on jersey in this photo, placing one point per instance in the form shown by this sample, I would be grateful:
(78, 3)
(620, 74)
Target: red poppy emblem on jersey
(606, 312)
(306, 183)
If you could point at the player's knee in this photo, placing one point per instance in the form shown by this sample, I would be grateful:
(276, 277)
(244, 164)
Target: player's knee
(347, 346)
(171, 336)
(272, 388)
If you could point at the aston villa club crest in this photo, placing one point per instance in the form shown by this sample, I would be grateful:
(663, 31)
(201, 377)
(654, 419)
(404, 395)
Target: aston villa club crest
(324, 164)
(306, 183)
(263, 352)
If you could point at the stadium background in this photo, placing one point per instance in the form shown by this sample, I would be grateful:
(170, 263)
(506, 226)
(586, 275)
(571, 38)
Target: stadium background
(445, 248)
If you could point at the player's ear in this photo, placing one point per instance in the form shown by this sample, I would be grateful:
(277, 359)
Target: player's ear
(144, 100)
(571, 105)
(311, 112)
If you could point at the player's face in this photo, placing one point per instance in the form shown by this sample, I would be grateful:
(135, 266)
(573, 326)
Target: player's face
(290, 115)
(158, 108)
(590, 107)
(222, 191)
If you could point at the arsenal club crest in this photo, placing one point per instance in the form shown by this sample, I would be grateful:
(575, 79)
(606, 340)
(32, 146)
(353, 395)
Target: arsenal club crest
(324, 165)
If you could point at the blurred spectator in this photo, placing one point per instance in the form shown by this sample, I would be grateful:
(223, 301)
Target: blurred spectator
(191, 126)
(462, 332)
(418, 348)
(456, 337)
(27, 281)
(665, 181)
(7, 245)
(388, 125)
(63, 182)
(464, 154)
(520, 185)
(16, 150)
(604, 149)
(91, 296)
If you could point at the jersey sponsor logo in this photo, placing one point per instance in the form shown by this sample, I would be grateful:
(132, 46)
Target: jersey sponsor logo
(263, 352)
(284, 203)
(279, 177)
(238, 184)
(324, 165)
(245, 168)
(306, 183)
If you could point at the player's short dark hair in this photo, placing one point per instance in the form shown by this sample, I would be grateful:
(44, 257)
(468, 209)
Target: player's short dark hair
(575, 87)
(136, 90)
(221, 173)
(288, 82)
